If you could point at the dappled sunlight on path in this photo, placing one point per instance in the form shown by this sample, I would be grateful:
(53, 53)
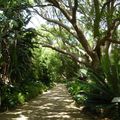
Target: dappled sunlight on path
(55, 104)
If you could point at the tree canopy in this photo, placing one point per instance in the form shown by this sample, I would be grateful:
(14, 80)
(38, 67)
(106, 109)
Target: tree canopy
(92, 24)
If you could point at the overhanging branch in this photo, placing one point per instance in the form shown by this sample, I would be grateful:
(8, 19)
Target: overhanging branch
(70, 30)
(71, 55)
(114, 41)
(74, 10)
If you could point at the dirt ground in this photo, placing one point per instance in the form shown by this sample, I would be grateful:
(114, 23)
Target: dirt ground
(56, 104)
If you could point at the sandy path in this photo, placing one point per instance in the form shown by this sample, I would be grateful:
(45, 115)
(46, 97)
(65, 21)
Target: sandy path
(55, 104)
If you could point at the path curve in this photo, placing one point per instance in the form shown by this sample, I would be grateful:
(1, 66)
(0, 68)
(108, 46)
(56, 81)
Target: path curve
(56, 104)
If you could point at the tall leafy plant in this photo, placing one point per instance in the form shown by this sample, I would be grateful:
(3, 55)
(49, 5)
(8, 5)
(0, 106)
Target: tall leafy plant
(105, 83)
(16, 40)
(21, 55)
(16, 44)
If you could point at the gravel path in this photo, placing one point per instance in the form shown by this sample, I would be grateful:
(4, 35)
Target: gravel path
(56, 104)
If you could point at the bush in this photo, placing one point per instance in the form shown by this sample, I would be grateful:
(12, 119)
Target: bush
(76, 88)
(10, 97)
(16, 95)
(104, 86)
(32, 89)
(21, 98)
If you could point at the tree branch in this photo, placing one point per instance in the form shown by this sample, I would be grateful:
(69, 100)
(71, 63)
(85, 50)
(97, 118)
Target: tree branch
(70, 4)
(114, 41)
(61, 7)
(71, 55)
(105, 4)
(74, 10)
(70, 30)
(97, 18)
(110, 31)
(80, 35)
(112, 28)
(38, 5)
(82, 39)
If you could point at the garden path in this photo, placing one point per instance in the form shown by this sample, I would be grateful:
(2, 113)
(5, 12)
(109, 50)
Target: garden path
(56, 104)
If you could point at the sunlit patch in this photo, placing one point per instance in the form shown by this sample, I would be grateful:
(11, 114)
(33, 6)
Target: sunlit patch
(47, 92)
(57, 116)
(68, 100)
(21, 117)
(36, 102)
(72, 106)
(62, 113)
(15, 113)
(55, 104)
(56, 98)
(82, 107)
(44, 107)
(48, 104)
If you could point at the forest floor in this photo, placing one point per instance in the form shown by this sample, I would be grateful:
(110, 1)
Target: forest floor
(56, 104)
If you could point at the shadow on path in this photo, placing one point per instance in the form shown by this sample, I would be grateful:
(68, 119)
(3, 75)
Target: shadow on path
(55, 104)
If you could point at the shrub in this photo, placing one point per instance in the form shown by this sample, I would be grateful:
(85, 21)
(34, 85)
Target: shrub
(76, 88)
(104, 86)
(15, 95)
(32, 89)
(21, 98)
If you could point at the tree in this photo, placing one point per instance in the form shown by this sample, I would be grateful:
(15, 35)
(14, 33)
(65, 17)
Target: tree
(93, 24)
(64, 66)
(15, 40)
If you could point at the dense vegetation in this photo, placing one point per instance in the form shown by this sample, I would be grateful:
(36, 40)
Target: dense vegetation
(98, 89)
(78, 45)
(20, 80)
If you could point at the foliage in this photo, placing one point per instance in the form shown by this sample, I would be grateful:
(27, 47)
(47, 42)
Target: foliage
(85, 34)
(54, 67)
(88, 38)
(76, 88)
(18, 81)
(69, 68)
(104, 84)
(16, 41)
(46, 66)
(21, 54)
(99, 87)
(10, 97)
(16, 95)
(32, 89)
(41, 67)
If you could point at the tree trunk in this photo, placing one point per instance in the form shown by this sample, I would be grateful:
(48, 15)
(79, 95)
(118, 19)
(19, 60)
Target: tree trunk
(6, 61)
